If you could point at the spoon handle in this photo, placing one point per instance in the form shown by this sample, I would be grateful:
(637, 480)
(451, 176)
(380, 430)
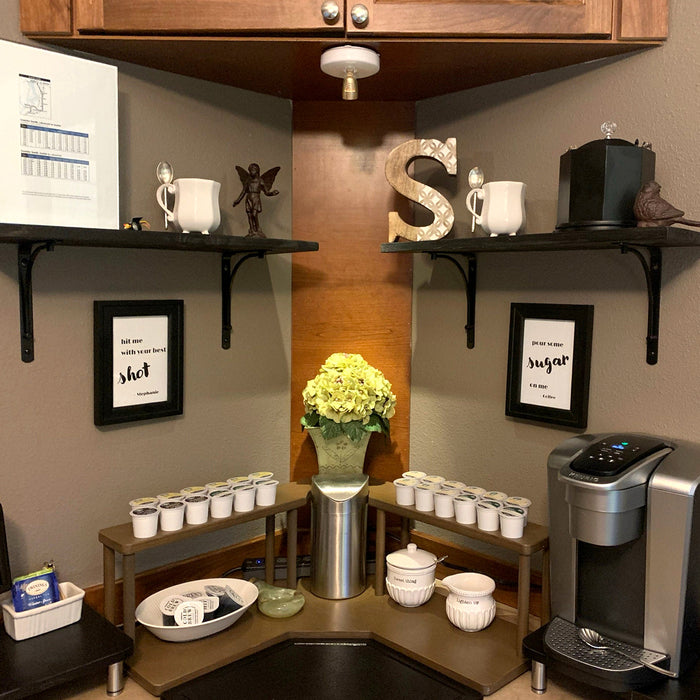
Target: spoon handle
(647, 664)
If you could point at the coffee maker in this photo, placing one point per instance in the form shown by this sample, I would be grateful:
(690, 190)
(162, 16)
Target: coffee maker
(624, 531)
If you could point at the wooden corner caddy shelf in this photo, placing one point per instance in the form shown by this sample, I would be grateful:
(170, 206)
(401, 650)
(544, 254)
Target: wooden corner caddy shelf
(31, 240)
(633, 240)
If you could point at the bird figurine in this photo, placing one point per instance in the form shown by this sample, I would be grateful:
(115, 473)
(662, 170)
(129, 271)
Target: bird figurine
(651, 209)
(138, 223)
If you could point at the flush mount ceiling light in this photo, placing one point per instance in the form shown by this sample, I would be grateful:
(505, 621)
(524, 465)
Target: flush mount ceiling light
(350, 63)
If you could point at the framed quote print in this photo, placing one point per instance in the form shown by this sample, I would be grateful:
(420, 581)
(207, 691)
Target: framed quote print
(549, 363)
(138, 360)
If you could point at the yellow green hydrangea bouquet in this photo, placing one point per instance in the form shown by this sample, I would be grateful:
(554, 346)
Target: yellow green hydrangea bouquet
(348, 396)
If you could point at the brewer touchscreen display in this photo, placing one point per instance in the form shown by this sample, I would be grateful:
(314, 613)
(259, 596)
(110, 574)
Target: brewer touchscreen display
(615, 453)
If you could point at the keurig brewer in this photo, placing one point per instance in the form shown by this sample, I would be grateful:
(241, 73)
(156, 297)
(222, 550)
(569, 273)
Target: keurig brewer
(624, 535)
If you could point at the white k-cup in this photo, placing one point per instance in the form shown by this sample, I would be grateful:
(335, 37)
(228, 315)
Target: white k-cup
(172, 515)
(144, 520)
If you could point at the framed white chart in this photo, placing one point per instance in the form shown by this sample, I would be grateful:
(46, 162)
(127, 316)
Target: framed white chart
(59, 160)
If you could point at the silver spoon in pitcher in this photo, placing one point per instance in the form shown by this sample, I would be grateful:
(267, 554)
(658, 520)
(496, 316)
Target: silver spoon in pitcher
(595, 640)
(164, 173)
(475, 180)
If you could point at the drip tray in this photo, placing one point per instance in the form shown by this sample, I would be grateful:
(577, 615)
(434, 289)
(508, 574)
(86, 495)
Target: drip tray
(612, 671)
(324, 670)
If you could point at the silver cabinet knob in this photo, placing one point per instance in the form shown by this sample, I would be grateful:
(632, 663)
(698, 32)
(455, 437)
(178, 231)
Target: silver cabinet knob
(359, 15)
(330, 11)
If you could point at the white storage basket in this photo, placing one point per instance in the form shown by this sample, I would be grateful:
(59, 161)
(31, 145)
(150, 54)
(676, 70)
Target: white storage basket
(30, 623)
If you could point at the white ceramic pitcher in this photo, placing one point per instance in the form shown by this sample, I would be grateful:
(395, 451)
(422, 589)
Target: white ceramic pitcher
(503, 210)
(196, 205)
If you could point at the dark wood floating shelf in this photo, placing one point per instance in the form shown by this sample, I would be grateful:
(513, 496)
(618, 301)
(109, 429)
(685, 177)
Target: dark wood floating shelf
(31, 240)
(644, 243)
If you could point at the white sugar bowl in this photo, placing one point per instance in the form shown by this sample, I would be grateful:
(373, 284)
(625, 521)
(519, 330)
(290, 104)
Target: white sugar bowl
(470, 604)
(410, 575)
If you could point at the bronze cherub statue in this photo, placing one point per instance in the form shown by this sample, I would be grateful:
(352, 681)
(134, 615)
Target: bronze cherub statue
(651, 209)
(253, 184)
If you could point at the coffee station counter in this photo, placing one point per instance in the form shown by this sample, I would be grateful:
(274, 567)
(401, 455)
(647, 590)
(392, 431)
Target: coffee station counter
(484, 661)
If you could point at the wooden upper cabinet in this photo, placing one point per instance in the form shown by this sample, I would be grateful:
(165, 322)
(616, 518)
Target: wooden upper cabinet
(203, 17)
(623, 20)
(494, 18)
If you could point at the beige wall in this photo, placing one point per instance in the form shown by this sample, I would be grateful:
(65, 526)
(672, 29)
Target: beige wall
(63, 478)
(517, 130)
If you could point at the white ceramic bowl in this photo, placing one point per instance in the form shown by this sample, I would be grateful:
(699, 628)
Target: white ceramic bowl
(149, 615)
(410, 597)
(470, 621)
(470, 604)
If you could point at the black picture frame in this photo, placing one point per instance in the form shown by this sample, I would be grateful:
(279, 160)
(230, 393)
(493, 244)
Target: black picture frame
(146, 381)
(549, 379)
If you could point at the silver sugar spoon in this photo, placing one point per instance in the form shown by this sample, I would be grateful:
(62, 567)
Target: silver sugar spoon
(475, 180)
(595, 640)
(164, 173)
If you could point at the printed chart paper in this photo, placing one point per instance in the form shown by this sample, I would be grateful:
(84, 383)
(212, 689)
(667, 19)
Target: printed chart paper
(59, 161)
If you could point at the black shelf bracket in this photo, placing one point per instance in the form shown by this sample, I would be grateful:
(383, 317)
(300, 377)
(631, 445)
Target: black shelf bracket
(26, 256)
(652, 274)
(469, 278)
(228, 273)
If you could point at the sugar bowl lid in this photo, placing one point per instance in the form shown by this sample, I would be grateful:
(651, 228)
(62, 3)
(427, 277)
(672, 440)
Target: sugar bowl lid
(411, 558)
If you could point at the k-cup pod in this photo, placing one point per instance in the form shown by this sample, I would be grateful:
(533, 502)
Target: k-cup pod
(171, 496)
(476, 490)
(189, 612)
(495, 495)
(266, 492)
(193, 490)
(243, 497)
(172, 515)
(404, 488)
(209, 603)
(229, 600)
(237, 480)
(519, 502)
(145, 501)
(414, 474)
(487, 513)
(216, 485)
(260, 475)
(221, 503)
(465, 508)
(444, 502)
(425, 497)
(197, 509)
(144, 521)
(433, 479)
(512, 522)
(167, 608)
(453, 485)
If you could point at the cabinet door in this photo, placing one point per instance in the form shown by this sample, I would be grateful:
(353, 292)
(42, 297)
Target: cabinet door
(497, 18)
(204, 16)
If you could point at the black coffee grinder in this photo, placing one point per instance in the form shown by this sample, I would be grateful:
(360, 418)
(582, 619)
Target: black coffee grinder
(624, 536)
(599, 181)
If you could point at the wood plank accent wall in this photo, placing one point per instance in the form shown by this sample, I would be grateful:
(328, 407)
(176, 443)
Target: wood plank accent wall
(348, 296)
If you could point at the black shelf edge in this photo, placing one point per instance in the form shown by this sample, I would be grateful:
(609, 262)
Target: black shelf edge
(644, 243)
(573, 239)
(154, 240)
(32, 239)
